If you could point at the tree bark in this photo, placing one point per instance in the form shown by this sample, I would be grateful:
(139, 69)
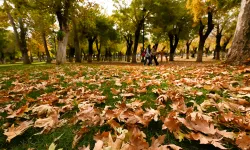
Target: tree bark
(20, 41)
(46, 47)
(62, 13)
(24, 49)
(174, 40)
(137, 36)
(98, 47)
(188, 43)
(78, 52)
(129, 47)
(203, 37)
(90, 42)
(61, 51)
(240, 51)
(218, 40)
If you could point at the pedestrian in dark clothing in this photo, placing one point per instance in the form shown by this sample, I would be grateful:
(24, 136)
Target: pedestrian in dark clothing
(148, 56)
(154, 53)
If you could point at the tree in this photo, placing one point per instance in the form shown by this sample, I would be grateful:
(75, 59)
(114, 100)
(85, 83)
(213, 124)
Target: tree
(125, 25)
(200, 9)
(174, 22)
(19, 36)
(240, 50)
(3, 44)
(225, 22)
(42, 25)
(136, 14)
(62, 9)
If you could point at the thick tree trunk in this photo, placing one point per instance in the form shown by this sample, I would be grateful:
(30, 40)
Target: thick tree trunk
(71, 53)
(137, 36)
(26, 59)
(129, 52)
(20, 41)
(218, 40)
(78, 53)
(218, 47)
(61, 51)
(90, 42)
(203, 37)
(174, 40)
(129, 47)
(200, 50)
(240, 50)
(24, 49)
(46, 47)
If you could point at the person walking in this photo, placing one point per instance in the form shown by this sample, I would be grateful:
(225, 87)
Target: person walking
(148, 56)
(143, 53)
(154, 53)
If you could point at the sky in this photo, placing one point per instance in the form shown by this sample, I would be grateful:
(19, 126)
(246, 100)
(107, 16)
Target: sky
(106, 4)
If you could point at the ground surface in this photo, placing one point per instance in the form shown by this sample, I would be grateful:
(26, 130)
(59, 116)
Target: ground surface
(185, 104)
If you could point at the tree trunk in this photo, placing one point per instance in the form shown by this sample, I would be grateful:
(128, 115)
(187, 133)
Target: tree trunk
(188, 49)
(90, 41)
(239, 53)
(200, 50)
(218, 40)
(129, 47)
(26, 59)
(78, 53)
(71, 53)
(218, 47)
(174, 40)
(98, 49)
(21, 42)
(31, 58)
(46, 47)
(137, 36)
(203, 37)
(61, 51)
(24, 49)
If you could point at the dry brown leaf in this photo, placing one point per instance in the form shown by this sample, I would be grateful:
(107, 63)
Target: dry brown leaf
(157, 142)
(20, 112)
(242, 141)
(43, 110)
(140, 91)
(98, 145)
(226, 134)
(171, 122)
(47, 123)
(13, 131)
(114, 91)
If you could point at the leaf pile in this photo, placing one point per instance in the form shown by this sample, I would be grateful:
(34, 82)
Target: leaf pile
(209, 104)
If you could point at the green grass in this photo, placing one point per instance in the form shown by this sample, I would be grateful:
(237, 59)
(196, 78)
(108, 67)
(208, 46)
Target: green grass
(44, 72)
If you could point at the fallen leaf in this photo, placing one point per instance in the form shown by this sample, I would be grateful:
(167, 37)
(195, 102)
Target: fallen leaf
(13, 131)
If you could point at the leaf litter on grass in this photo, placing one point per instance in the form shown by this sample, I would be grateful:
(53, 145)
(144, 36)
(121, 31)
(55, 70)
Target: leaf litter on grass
(208, 104)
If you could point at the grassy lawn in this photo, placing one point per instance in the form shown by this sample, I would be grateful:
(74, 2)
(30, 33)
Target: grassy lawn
(75, 105)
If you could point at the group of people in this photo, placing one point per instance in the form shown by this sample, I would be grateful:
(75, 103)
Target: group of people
(148, 55)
